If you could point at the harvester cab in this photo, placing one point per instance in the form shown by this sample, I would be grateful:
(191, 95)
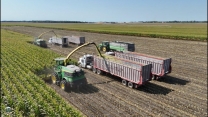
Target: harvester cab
(59, 63)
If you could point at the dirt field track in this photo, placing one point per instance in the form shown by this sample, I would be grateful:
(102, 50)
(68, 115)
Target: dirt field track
(181, 93)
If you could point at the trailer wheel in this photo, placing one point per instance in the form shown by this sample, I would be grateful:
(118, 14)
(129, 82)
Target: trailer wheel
(158, 77)
(124, 82)
(94, 70)
(99, 72)
(136, 86)
(130, 84)
(153, 77)
(63, 85)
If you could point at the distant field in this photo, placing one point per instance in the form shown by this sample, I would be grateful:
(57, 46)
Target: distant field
(187, 31)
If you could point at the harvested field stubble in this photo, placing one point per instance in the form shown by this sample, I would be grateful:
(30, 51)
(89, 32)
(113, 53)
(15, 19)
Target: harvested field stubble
(181, 31)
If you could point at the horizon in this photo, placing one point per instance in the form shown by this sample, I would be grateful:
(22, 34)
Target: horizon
(68, 21)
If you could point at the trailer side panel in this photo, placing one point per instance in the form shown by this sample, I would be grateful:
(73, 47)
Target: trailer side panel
(129, 71)
(76, 39)
(160, 66)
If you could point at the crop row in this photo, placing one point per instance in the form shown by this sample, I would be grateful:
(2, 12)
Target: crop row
(22, 89)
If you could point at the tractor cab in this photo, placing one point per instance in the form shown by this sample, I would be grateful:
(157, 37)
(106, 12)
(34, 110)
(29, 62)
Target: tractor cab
(105, 43)
(59, 63)
(104, 46)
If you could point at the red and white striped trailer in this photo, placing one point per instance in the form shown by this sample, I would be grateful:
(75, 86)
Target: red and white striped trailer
(160, 66)
(133, 74)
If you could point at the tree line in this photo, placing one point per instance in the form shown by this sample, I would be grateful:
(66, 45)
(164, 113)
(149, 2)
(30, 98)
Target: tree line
(50, 21)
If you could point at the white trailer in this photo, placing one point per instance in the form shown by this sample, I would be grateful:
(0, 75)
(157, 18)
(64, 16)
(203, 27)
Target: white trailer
(79, 40)
(160, 66)
(133, 74)
(62, 41)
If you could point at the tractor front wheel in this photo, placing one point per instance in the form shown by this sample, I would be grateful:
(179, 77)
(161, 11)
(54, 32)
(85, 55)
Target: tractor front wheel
(63, 85)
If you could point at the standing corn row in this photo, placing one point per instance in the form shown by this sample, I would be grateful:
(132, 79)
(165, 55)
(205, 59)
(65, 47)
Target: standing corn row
(23, 92)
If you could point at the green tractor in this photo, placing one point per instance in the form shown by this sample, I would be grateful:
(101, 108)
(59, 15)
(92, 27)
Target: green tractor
(120, 46)
(67, 76)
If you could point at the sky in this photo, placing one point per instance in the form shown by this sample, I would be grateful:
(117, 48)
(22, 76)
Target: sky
(104, 10)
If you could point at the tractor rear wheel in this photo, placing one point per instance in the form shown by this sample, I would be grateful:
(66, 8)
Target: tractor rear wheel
(63, 85)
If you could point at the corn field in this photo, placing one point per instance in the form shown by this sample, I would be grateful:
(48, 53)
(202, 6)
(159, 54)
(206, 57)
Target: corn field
(23, 92)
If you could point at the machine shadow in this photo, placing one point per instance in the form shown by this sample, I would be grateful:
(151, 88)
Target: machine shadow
(31, 42)
(173, 80)
(87, 89)
(105, 82)
(148, 87)
(154, 89)
(50, 45)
